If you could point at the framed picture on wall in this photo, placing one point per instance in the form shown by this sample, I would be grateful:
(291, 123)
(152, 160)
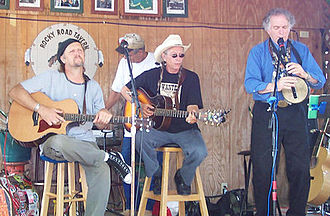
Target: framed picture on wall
(142, 7)
(4, 4)
(175, 8)
(104, 6)
(37, 5)
(67, 6)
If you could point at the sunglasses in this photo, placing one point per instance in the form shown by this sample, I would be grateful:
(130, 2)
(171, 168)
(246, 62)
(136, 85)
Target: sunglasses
(176, 55)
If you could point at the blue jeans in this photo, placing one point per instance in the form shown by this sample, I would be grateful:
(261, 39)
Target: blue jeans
(190, 141)
(126, 152)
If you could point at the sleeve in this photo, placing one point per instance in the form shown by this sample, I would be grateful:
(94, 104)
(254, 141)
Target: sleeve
(310, 65)
(118, 82)
(253, 73)
(140, 81)
(40, 82)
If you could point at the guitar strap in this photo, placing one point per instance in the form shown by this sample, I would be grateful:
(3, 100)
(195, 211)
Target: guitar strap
(295, 53)
(86, 79)
(182, 77)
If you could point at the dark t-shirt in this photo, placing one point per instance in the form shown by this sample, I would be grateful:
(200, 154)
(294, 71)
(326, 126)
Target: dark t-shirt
(189, 92)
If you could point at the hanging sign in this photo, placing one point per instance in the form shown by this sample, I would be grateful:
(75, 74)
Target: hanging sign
(44, 48)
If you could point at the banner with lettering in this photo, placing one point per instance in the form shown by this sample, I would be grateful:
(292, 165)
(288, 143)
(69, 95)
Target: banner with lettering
(44, 48)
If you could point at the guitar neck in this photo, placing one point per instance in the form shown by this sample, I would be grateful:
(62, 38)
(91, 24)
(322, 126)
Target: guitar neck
(90, 118)
(320, 139)
(175, 113)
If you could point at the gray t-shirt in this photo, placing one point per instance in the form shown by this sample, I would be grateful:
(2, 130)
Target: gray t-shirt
(57, 87)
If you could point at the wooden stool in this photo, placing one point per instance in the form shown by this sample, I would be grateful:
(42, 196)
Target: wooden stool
(167, 195)
(59, 196)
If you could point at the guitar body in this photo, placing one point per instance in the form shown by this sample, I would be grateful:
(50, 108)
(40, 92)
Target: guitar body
(302, 91)
(319, 191)
(159, 101)
(28, 128)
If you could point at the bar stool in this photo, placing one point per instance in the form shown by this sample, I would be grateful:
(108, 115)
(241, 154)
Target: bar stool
(167, 195)
(60, 195)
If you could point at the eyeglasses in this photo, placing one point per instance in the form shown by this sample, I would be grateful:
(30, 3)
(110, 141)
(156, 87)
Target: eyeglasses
(176, 55)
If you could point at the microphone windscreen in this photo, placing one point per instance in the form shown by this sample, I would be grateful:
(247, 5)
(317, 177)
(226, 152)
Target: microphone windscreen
(280, 42)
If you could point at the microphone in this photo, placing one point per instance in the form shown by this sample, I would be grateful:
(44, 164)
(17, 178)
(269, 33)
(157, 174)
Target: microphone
(280, 42)
(284, 61)
(282, 52)
(123, 45)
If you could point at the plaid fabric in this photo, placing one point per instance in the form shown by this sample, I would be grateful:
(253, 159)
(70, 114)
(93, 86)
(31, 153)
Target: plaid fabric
(17, 197)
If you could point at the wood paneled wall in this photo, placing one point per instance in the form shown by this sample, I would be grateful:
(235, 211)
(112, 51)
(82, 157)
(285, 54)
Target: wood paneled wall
(221, 33)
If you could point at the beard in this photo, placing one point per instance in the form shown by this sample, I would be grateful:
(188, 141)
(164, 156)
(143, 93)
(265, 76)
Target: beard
(78, 61)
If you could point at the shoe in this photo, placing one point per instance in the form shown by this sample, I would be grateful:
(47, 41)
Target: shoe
(157, 185)
(121, 167)
(127, 212)
(181, 187)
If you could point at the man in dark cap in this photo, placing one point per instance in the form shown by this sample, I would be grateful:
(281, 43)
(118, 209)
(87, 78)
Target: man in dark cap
(78, 144)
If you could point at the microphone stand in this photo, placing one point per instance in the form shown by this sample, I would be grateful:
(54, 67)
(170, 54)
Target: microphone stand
(273, 101)
(134, 113)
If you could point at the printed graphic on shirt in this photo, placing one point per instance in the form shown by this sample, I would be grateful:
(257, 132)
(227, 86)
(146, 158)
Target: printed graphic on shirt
(169, 90)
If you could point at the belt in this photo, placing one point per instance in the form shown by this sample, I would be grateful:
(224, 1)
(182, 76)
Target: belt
(281, 103)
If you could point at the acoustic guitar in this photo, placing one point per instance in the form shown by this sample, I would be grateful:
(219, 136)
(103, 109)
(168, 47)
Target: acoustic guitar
(319, 191)
(30, 129)
(163, 112)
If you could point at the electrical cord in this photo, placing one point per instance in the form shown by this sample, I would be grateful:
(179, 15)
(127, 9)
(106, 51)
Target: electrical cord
(274, 164)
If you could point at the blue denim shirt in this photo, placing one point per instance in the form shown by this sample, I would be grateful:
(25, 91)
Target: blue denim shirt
(259, 69)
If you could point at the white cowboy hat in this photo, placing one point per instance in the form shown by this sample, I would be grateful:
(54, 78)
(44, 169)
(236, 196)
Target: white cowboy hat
(171, 41)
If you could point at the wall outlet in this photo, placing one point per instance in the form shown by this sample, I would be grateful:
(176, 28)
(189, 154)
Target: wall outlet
(304, 34)
(224, 187)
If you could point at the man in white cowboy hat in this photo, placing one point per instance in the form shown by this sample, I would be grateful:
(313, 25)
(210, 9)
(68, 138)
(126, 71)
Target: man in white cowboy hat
(141, 61)
(183, 87)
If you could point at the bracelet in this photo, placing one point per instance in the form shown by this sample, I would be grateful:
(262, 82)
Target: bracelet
(36, 108)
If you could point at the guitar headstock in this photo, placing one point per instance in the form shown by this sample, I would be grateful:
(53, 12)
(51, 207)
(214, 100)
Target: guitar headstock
(144, 123)
(214, 117)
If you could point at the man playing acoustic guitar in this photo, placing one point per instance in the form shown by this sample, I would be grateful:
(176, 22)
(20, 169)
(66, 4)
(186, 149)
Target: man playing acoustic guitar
(182, 86)
(78, 144)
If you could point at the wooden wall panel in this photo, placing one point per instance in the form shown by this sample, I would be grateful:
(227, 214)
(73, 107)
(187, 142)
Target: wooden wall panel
(3, 86)
(217, 54)
(13, 73)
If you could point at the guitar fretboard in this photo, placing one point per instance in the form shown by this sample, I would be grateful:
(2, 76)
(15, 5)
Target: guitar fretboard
(320, 139)
(174, 113)
(88, 118)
